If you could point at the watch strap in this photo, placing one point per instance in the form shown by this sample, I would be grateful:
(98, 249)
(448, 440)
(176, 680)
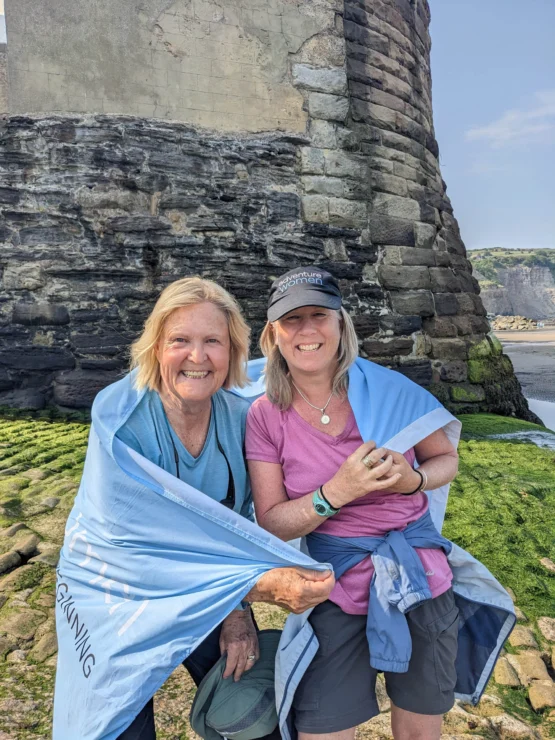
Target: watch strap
(321, 505)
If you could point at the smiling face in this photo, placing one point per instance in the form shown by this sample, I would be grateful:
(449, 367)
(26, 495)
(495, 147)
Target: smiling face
(194, 352)
(308, 338)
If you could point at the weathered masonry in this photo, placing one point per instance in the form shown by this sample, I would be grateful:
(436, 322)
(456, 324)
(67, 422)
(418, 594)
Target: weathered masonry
(232, 139)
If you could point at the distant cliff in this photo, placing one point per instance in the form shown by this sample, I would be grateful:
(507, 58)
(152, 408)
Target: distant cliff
(516, 282)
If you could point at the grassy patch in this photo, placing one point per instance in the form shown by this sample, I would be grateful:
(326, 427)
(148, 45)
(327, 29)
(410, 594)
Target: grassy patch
(57, 447)
(515, 701)
(502, 509)
(29, 578)
(483, 425)
(49, 414)
(489, 261)
(30, 689)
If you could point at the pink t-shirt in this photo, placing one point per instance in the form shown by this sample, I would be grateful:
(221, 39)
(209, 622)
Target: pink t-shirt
(308, 459)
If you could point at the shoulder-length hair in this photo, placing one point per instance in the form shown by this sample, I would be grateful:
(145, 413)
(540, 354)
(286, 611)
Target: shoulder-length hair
(278, 381)
(188, 292)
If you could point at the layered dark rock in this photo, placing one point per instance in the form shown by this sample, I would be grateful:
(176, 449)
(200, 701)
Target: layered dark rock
(100, 212)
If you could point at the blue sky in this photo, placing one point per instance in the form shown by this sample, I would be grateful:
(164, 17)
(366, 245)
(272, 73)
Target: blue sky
(493, 67)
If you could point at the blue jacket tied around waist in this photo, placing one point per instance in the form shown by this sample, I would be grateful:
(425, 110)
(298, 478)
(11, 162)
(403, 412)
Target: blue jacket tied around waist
(150, 566)
(399, 583)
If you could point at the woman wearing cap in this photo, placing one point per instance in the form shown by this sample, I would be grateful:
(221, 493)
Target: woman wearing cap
(312, 474)
(194, 346)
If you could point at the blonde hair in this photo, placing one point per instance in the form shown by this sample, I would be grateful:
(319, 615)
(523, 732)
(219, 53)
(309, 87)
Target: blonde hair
(278, 382)
(189, 292)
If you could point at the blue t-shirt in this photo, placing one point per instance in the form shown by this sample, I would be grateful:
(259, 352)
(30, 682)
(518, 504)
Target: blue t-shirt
(149, 432)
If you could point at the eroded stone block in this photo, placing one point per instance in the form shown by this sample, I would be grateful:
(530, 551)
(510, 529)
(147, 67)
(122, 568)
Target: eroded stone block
(546, 625)
(522, 637)
(9, 560)
(40, 314)
(22, 623)
(413, 302)
(394, 205)
(333, 81)
(328, 107)
(401, 277)
(505, 674)
(529, 667)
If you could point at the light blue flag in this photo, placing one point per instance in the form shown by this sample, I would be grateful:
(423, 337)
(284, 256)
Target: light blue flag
(397, 414)
(149, 567)
(389, 409)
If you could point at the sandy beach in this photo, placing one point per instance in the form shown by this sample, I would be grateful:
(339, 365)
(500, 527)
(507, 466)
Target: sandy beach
(534, 361)
(533, 357)
(535, 335)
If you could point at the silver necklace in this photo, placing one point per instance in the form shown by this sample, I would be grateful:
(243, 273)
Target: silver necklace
(324, 419)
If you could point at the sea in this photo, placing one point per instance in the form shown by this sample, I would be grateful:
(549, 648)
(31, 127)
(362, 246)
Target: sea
(533, 356)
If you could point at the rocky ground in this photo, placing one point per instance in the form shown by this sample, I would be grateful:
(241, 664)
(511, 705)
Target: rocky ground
(40, 466)
(513, 323)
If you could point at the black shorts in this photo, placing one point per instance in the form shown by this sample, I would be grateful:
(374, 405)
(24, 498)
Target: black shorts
(338, 690)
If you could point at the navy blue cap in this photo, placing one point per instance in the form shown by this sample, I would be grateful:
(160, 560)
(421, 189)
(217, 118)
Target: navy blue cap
(303, 286)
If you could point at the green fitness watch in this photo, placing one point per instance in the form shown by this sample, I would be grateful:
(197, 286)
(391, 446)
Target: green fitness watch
(321, 505)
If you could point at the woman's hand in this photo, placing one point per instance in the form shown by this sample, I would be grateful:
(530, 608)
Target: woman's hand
(296, 589)
(410, 479)
(355, 478)
(238, 639)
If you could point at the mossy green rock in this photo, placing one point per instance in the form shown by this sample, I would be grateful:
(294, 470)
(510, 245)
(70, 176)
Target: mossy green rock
(22, 623)
(477, 426)
(480, 371)
(496, 345)
(440, 391)
(466, 393)
(489, 369)
(14, 543)
(482, 349)
(44, 648)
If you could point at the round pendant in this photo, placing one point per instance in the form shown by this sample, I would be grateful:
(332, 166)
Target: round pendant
(325, 419)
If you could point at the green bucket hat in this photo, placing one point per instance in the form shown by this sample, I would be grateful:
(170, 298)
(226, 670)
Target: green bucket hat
(244, 709)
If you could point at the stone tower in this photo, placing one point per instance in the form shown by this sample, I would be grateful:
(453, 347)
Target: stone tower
(235, 139)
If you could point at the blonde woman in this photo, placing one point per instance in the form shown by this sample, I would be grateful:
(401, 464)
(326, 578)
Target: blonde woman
(194, 346)
(312, 474)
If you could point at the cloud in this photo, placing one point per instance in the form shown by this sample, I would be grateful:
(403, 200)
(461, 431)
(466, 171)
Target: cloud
(483, 167)
(519, 125)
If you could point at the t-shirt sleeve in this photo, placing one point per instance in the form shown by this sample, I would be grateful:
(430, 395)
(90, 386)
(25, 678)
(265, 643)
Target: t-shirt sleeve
(259, 444)
(142, 432)
(130, 438)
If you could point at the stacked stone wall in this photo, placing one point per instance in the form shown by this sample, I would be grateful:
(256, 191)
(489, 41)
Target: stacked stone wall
(100, 212)
(3, 78)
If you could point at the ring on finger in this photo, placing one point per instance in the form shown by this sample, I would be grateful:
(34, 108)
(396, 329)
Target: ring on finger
(368, 462)
(251, 657)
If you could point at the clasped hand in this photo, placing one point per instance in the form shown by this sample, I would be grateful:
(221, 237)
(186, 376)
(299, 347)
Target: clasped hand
(296, 589)
(384, 470)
